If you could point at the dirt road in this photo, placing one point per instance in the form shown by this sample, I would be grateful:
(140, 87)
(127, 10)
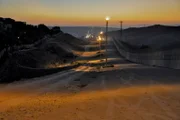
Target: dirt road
(127, 91)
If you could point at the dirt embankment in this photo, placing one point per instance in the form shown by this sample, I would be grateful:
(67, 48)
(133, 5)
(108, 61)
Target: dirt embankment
(46, 58)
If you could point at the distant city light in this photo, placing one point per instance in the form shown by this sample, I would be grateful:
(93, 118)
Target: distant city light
(89, 36)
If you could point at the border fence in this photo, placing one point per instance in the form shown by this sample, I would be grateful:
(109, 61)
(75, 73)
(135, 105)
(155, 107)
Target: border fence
(166, 58)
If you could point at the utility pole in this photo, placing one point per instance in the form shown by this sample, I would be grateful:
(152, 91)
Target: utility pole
(121, 28)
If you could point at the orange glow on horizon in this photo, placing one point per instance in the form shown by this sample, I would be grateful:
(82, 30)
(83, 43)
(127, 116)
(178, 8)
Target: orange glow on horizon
(131, 12)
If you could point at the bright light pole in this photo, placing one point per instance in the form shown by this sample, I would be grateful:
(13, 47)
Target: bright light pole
(107, 22)
(99, 40)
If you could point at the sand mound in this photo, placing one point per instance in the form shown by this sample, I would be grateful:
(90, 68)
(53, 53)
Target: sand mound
(54, 51)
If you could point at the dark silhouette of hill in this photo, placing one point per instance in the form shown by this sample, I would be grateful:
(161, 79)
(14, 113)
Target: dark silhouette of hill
(19, 33)
(155, 37)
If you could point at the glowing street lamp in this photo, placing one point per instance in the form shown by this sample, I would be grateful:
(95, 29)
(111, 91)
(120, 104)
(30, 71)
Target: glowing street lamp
(99, 38)
(102, 35)
(107, 22)
(107, 18)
